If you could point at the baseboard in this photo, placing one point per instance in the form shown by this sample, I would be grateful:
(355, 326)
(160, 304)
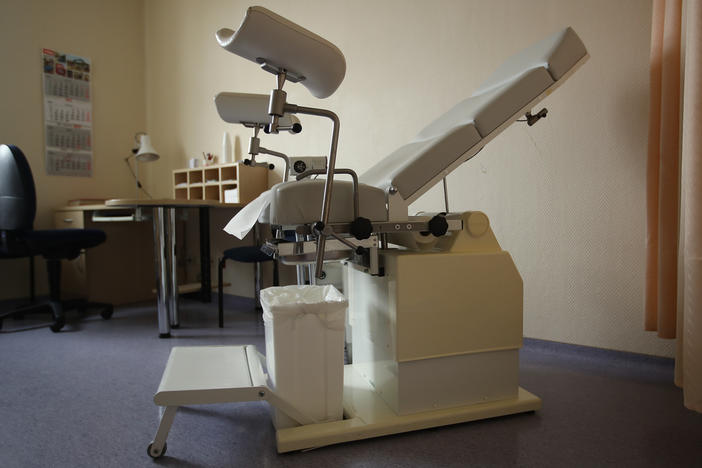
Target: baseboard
(594, 352)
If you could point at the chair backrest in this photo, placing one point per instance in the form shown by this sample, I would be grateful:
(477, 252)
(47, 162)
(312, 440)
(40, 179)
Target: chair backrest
(522, 80)
(18, 200)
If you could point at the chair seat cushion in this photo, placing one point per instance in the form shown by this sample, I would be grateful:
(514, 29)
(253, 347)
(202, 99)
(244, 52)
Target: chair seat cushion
(300, 202)
(63, 243)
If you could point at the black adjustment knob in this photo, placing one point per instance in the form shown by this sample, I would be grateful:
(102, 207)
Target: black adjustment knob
(361, 228)
(438, 225)
(299, 166)
(319, 226)
(296, 128)
(271, 166)
(247, 162)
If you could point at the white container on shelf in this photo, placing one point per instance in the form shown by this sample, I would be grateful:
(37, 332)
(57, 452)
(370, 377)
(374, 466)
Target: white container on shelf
(227, 156)
(231, 196)
(304, 328)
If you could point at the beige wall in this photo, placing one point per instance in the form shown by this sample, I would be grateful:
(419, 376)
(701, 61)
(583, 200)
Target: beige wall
(111, 34)
(565, 197)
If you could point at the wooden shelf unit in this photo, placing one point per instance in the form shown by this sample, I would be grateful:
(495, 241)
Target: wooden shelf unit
(211, 182)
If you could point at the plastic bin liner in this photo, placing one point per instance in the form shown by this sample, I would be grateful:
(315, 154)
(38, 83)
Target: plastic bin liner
(304, 328)
(291, 302)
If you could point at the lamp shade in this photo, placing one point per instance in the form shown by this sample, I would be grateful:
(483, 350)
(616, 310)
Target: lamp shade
(146, 151)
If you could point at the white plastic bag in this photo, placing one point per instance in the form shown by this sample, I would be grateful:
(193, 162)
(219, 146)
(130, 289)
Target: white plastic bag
(304, 328)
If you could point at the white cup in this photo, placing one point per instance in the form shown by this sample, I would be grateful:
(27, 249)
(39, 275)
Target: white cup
(193, 163)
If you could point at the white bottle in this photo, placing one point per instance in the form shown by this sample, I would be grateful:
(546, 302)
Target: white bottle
(227, 149)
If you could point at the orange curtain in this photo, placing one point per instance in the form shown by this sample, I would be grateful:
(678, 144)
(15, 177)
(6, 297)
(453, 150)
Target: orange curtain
(663, 169)
(689, 362)
(674, 179)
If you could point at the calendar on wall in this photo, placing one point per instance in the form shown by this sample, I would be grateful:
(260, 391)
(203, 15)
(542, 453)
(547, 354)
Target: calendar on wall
(68, 114)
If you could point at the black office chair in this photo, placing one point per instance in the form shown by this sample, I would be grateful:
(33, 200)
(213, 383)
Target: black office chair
(246, 254)
(18, 238)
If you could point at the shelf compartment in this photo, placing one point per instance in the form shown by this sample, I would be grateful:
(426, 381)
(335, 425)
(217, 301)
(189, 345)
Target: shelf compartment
(195, 177)
(180, 177)
(211, 175)
(181, 193)
(229, 193)
(212, 192)
(227, 172)
(195, 193)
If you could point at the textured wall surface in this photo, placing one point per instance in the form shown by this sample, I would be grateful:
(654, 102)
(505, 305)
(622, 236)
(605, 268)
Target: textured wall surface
(565, 197)
(111, 34)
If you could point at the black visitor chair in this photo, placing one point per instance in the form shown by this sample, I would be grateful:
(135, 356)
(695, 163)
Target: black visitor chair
(18, 238)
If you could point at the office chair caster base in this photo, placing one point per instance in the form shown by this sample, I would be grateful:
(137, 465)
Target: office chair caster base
(155, 453)
(107, 312)
(58, 325)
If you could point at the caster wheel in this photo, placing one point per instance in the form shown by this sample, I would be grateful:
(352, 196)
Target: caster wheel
(58, 325)
(153, 453)
(107, 313)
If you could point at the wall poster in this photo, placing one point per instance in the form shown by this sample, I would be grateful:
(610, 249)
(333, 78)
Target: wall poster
(68, 114)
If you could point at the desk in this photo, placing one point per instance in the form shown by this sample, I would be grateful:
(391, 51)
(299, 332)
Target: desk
(119, 271)
(165, 251)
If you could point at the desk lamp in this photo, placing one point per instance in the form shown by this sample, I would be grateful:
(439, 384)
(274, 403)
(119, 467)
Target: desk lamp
(144, 152)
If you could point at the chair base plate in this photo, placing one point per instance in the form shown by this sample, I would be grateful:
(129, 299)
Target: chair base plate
(367, 415)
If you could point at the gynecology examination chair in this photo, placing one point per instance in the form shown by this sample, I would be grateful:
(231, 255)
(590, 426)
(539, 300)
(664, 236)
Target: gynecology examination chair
(435, 303)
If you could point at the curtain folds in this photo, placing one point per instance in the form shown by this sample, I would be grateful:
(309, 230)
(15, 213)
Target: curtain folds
(673, 304)
(690, 357)
(663, 168)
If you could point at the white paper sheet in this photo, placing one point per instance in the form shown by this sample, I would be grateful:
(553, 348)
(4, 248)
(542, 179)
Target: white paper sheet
(241, 224)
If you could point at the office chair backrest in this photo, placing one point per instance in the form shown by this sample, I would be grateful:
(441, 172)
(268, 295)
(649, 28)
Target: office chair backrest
(18, 200)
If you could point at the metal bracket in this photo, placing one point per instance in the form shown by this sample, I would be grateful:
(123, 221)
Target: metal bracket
(532, 119)
(276, 70)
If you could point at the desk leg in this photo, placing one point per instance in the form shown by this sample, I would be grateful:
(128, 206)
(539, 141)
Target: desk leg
(205, 278)
(173, 278)
(163, 274)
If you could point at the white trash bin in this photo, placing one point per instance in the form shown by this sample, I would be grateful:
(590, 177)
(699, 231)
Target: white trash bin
(304, 328)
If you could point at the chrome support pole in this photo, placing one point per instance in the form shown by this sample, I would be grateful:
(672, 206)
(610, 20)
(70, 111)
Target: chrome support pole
(300, 268)
(257, 285)
(328, 183)
(173, 267)
(446, 195)
(162, 273)
(354, 180)
(284, 157)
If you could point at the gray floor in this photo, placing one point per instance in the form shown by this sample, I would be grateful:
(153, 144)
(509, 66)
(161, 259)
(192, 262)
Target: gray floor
(83, 398)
